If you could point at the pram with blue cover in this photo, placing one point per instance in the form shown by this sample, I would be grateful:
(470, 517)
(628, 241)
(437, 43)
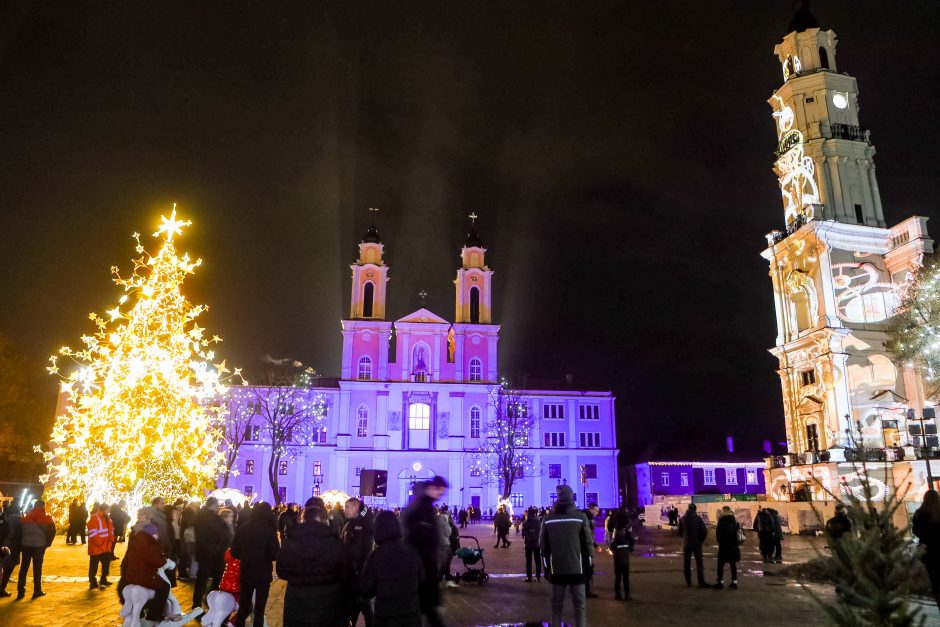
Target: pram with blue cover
(473, 562)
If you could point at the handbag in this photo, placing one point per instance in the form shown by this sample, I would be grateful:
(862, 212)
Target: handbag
(741, 536)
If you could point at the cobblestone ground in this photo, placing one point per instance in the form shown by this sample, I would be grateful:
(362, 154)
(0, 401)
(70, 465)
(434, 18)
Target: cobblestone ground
(660, 596)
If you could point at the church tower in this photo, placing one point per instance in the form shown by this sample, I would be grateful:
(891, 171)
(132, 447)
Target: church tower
(474, 336)
(366, 333)
(838, 275)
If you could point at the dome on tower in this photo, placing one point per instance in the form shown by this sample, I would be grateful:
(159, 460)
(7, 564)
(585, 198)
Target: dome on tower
(372, 236)
(473, 239)
(802, 20)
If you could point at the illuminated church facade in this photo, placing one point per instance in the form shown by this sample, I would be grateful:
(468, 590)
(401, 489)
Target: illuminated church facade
(414, 399)
(838, 273)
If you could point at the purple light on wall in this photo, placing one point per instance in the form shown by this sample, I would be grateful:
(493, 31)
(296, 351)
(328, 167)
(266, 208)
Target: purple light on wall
(767, 447)
(730, 444)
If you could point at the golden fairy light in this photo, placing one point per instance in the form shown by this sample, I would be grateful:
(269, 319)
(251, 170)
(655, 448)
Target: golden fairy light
(143, 411)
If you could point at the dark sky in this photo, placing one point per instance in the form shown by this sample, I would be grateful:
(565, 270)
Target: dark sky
(619, 155)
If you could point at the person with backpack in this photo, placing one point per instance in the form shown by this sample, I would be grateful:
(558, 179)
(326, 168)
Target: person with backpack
(36, 533)
(567, 545)
(692, 530)
(621, 545)
(729, 536)
(531, 529)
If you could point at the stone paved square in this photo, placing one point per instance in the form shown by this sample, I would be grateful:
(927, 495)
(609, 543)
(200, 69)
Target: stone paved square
(660, 596)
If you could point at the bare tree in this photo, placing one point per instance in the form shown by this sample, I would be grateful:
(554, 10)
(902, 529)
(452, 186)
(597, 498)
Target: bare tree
(505, 456)
(290, 414)
(236, 425)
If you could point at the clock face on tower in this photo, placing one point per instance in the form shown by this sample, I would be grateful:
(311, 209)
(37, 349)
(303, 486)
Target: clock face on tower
(840, 100)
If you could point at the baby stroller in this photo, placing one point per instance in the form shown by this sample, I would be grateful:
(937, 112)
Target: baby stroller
(473, 562)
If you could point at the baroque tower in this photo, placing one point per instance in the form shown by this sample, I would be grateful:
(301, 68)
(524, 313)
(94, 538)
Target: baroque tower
(837, 274)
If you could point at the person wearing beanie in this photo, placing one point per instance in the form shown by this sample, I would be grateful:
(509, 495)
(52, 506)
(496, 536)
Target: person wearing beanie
(692, 530)
(141, 567)
(256, 546)
(567, 545)
(729, 551)
(393, 574)
(36, 533)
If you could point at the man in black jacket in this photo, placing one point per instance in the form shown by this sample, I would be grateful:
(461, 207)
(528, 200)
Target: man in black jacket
(256, 546)
(212, 539)
(311, 561)
(422, 531)
(567, 546)
(357, 545)
(693, 531)
(393, 574)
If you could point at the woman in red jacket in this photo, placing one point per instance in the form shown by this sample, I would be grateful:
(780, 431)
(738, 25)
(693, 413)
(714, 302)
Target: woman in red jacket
(142, 565)
(100, 545)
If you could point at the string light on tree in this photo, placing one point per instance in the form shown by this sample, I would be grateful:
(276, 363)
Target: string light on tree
(143, 410)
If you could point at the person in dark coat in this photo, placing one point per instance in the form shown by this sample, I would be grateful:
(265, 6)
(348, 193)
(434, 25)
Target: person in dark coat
(840, 524)
(212, 540)
(566, 545)
(531, 528)
(357, 544)
(141, 567)
(311, 561)
(256, 547)
(392, 574)
(926, 526)
(591, 513)
(764, 526)
(621, 545)
(729, 551)
(35, 534)
(9, 546)
(71, 535)
(287, 519)
(693, 531)
(120, 518)
(462, 516)
(502, 522)
(778, 535)
(421, 532)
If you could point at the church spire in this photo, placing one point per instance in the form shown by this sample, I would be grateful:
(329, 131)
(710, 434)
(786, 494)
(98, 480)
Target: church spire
(473, 280)
(369, 277)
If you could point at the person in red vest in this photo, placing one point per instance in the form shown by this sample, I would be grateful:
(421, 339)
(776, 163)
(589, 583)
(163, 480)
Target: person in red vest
(100, 545)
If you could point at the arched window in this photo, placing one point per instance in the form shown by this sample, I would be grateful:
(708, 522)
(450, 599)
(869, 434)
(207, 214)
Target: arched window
(368, 295)
(419, 416)
(476, 420)
(476, 369)
(823, 58)
(365, 368)
(362, 422)
(474, 305)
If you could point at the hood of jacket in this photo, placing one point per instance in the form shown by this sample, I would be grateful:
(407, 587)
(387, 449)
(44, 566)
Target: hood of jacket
(387, 527)
(37, 515)
(563, 506)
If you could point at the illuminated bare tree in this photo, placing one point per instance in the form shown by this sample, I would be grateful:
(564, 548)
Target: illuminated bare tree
(290, 414)
(504, 457)
(235, 428)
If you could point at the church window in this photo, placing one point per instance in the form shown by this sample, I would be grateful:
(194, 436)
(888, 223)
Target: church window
(554, 471)
(476, 369)
(317, 469)
(808, 377)
(709, 476)
(249, 467)
(517, 499)
(362, 421)
(368, 295)
(419, 416)
(664, 479)
(859, 217)
(282, 468)
(751, 476)
(812, 438)
(731, 476)
(420, 363)
(684, 480)
(476, 420)
(823, 58)
(365, 368)
(319, 436)
(451, 346)
(474, 305)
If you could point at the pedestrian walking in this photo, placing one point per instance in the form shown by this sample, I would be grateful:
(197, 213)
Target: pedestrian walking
(9, 546)
(311, 561)
(393, 574)
(566, 544)
(621, 545)
(120, 519)
(729, 536)
(448, 535)
(502, 522)
(591, 512)
(358, 536)
(926, 526)
(764, 526)
(422, 532)
(212, 539)
(693, 531)
(256, 547)
(36, 533)
(100, 545)
(778, 535)
(462, 517)
(531, 528)
(81, 516)
(72, 532)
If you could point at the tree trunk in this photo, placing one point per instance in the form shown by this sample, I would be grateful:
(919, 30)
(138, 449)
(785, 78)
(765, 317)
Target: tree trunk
(272, 477)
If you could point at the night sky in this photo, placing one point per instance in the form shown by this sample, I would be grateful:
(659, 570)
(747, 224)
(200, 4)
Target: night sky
(619, 158)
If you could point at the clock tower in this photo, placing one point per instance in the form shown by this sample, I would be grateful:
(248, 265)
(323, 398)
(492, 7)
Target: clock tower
(838, 274)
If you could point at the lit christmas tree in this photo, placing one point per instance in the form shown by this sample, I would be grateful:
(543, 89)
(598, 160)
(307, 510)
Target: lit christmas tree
(143, 417)
(914, 332)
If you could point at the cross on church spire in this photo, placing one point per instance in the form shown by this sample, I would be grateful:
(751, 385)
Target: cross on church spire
(423, 295)
(473, 218)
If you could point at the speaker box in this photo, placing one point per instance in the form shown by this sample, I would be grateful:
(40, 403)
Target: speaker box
(373, 482)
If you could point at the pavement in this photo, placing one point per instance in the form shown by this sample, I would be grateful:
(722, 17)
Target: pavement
(660, 596)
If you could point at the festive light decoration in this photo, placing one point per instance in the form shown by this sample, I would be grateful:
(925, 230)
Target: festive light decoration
(143, 412)
(915, 330)
(505, 456)
(796, 171)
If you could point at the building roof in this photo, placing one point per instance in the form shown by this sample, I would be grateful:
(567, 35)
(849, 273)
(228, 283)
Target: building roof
(473, 239)
(802, 20)
(372, 236)
(717, 462)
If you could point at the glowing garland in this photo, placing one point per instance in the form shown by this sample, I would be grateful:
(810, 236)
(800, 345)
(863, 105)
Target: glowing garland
(797, 171)
(143, 413)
